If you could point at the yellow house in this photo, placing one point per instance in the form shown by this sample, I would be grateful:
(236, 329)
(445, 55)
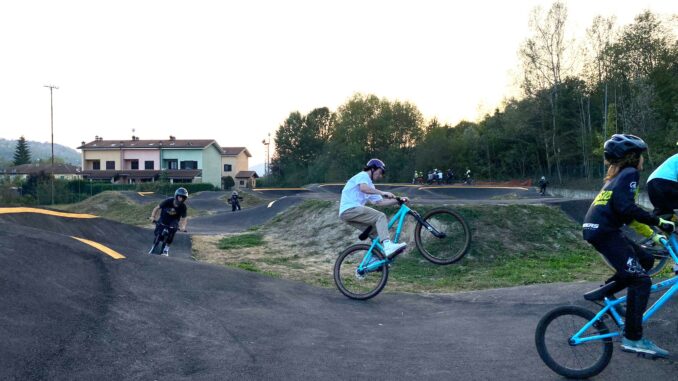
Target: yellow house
(102, 155)
(234, 162)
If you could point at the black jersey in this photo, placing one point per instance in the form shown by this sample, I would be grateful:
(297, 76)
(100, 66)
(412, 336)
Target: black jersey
(169, 214)
(615, 206)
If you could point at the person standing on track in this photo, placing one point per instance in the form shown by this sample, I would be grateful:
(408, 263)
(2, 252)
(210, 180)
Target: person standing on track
(235, 201)
(614, 207)
(357, 192)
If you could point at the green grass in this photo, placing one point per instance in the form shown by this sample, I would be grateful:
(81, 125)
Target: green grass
(414, 273)
(114, 206)
(241, 241)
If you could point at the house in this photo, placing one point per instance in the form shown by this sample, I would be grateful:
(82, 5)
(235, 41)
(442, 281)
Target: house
(180, 160)
(234, 163)
(246, 179)
(61, 171)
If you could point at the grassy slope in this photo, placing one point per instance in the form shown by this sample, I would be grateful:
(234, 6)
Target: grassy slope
(512, 245)
(112, 206)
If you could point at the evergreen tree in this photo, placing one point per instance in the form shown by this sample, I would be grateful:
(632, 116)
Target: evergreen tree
(22, 155)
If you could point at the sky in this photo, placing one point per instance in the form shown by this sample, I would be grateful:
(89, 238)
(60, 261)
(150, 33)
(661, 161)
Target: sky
(234, 70)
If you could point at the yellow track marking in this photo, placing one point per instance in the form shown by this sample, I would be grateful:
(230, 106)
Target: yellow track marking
(45, 211)
(106, 250)
(144, 193)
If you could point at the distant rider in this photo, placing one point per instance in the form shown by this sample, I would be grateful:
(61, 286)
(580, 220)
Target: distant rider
(171, 213)
(234, 201)
(357, 192)
(542, 185)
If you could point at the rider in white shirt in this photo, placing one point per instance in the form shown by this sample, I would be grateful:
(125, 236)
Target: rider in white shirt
(357, 192)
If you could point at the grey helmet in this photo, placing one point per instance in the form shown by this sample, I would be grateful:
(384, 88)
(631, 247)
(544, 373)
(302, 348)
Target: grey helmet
(181, 192)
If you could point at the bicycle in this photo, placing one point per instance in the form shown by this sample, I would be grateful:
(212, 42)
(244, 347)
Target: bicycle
(160, 240)
(584, 352)
(442, 237)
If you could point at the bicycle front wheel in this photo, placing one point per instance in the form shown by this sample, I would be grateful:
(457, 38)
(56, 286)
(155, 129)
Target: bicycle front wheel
(573, 361)
(355, 284)
(443, 250)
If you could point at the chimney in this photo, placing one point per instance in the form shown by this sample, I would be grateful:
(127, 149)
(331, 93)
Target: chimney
(82, 143)
(96, 138)
(172, 138)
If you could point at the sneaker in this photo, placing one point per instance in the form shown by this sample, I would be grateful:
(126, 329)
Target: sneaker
(391, 249)
(643, 346)
(165, 251)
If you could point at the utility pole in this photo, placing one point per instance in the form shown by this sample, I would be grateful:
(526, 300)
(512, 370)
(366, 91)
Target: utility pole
(267, 163)
(51, 118)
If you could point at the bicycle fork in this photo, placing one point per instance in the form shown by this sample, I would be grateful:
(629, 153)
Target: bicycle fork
(428, 226)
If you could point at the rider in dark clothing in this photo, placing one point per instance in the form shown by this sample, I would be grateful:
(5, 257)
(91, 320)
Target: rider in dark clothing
(234, 201)
(171, 213)
(614, 207)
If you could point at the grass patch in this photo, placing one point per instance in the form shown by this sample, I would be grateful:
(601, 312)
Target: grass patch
(241, 241)
(247, 266)
(512, 245)
(114, 206)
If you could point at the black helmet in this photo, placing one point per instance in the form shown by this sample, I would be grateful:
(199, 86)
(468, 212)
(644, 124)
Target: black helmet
(181, 192)
(374, 164)
(619, 145)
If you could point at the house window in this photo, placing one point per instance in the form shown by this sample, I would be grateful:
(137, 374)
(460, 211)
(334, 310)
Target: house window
(110, 165)
(189, 165)
(172, 164)
(96, 165)
(135, 164)
(242, 182)
(228, 168)
(148, 164)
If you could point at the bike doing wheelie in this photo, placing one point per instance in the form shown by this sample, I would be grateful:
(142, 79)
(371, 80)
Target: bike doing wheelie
(441, 235)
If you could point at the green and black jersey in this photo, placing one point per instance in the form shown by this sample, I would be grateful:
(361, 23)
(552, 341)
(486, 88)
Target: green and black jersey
(615, 206)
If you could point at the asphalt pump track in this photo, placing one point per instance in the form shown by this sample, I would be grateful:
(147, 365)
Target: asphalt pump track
(71, 311)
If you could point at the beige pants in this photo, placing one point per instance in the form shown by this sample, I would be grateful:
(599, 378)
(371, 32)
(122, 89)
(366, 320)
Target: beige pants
(361, 217)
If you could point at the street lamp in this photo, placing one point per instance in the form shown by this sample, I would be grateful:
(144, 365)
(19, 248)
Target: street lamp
(267, 163)
(51, 118)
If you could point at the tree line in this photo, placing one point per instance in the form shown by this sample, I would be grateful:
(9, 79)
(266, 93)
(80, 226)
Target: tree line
(575, 95)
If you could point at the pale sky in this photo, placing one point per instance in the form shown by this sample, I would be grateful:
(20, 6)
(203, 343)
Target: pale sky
(233, 71)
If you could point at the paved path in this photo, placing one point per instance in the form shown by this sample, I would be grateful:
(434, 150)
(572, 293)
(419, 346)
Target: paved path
(71, 312)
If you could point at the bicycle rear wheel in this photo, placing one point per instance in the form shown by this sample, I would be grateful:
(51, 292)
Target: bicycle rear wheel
(357, 285)
(661, 257)
(448, 249)
(552, 338)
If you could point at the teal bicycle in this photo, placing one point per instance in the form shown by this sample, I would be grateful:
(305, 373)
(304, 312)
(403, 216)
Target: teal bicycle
(575, 342)
(442, 237)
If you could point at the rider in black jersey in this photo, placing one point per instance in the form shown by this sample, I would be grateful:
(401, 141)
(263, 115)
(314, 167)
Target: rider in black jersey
(614, 207)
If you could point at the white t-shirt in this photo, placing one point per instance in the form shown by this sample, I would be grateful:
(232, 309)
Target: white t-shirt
(351, 196)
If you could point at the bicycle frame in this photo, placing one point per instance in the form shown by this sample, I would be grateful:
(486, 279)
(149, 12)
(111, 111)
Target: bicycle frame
(399, 217)
(672, 284)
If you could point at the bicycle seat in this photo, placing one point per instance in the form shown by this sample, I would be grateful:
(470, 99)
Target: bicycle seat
(363, 236)
(601, 292)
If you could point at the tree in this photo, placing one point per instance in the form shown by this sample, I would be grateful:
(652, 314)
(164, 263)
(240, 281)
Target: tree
(543, 57)
(228, 182)
(22, 155)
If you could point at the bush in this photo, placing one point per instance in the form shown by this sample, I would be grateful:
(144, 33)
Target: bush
(228, 182)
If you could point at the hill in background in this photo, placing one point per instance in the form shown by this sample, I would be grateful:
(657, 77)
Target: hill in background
(42, 151)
